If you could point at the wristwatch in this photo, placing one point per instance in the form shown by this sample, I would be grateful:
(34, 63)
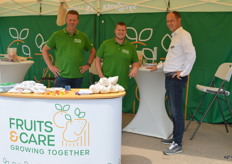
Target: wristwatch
(88, 64)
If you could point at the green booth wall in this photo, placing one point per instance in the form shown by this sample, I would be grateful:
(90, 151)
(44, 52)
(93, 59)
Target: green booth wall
(211, 33)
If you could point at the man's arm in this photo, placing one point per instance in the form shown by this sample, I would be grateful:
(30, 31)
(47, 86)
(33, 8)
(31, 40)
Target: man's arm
(134, 71)
(190, 54)
(92, 55)
(98, 67)
(52, 68)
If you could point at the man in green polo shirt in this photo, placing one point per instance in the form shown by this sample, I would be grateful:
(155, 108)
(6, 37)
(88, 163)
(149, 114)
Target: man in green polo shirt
(117, 54)
(68, 45)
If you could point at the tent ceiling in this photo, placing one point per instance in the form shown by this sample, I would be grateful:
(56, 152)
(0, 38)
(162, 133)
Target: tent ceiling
(50, 7)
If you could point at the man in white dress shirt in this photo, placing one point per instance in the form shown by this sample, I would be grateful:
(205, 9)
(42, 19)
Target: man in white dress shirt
(178, 64)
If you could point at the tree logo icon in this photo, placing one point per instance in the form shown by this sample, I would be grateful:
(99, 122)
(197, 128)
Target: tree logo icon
(75, 129)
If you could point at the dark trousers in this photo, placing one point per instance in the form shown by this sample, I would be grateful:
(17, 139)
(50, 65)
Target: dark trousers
(74, 83)
(174, 88)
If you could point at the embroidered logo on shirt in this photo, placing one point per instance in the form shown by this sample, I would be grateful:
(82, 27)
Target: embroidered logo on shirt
(77, 40)
(172, 46)
(125, 51)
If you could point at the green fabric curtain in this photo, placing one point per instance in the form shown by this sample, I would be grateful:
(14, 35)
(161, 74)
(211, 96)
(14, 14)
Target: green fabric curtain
(211, 33)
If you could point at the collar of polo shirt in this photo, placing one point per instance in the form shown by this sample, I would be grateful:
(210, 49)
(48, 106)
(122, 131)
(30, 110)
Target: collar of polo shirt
(66, 31)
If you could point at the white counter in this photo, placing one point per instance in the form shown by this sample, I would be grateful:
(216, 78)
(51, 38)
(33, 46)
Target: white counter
(151, 118)
(61, 129)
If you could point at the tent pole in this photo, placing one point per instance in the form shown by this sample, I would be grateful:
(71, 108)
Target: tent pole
(99, 7)
(90, 5)
(40, 8)
(167, 5)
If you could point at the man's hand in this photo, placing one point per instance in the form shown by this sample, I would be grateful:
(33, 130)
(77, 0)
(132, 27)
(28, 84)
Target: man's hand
(54, 70)
(177, 75)
(152, 68)
(84, 68)
(133, 72)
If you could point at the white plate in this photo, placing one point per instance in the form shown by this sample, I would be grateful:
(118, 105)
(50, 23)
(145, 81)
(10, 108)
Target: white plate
(56, 89)
(85, 92)
(5, 88)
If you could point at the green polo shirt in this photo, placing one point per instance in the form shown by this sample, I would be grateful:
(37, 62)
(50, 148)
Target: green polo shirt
(116, 59)
(69, 51)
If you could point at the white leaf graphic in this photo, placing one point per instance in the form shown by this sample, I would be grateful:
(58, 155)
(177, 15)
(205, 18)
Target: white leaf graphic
(39, 41)
(162, 41)
(26, 50)
(149, 37)
(12, 31)
(154, 53)
(25, 32)
(136, 34)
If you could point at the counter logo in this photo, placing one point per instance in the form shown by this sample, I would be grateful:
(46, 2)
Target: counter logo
(5, 161)
(75, 128)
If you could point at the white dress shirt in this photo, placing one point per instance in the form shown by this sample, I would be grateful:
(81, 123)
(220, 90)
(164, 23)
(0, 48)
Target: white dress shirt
(181, 53)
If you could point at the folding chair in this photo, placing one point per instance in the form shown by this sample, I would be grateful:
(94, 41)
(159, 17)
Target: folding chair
(224, 73)
(49, 80)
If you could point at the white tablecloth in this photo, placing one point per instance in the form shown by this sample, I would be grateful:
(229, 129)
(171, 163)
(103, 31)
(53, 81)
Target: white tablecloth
(151, 118)
(14, 71)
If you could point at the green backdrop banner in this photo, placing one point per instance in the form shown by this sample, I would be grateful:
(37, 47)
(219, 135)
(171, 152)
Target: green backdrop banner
(211, 33)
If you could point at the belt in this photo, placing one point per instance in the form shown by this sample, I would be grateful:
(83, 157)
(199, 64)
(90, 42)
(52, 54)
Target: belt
(169, 74)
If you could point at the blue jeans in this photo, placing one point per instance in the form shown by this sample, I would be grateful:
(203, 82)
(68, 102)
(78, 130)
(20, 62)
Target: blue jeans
(175, 88)
(74, 83)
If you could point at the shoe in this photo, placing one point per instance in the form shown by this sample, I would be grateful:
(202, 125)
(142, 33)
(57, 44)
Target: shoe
(173, 149)
(167, 141)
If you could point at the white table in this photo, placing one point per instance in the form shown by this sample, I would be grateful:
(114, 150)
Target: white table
(151, 118)
(61, 129)
(14, 71)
